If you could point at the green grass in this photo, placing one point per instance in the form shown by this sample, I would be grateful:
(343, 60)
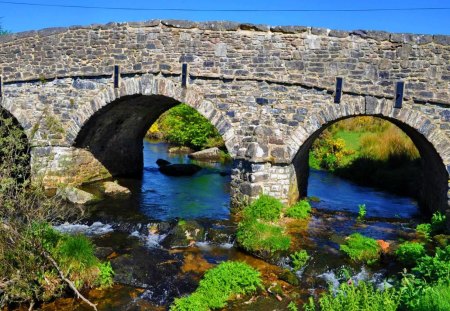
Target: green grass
(299, 210)
(265, 208)
(228, 279)
(409, 252)
(352, 139)
(256, 236)
(361, 249)
(363, 297)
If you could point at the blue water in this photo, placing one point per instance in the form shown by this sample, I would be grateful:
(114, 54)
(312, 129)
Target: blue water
(339, 194)
(203, 195)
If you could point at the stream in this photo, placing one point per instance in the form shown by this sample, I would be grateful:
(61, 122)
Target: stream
(153, 266)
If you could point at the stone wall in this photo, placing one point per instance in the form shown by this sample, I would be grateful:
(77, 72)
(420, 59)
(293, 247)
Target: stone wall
(268, 90)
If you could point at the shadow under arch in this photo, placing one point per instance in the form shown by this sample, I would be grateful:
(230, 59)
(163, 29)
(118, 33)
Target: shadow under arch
(434, 176)
(115, 129)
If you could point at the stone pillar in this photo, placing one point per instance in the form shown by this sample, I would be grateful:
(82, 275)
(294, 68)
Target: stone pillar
(61, 166)
(249, 180)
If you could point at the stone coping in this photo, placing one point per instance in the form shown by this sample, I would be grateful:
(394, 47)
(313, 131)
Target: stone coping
(235, 26)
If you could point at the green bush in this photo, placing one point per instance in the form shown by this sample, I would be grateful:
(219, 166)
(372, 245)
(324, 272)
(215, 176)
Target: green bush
(361, 249)
(105, 278)
(184, 126)
(436, 268)
(299, 259)
(300, 210)
(438, 222)
(363, 297)
(362, 211)
(219, 285)
(436, 298)
(424, 231)
(264, 208)
(256, 236)
(409, 252)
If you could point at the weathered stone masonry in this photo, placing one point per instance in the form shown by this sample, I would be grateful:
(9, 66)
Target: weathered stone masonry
(269, 91)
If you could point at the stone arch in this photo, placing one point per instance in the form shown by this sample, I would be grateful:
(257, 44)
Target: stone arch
(432, 143)
(114, 125)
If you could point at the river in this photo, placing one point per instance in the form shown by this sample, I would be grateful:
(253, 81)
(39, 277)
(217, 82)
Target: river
(130, 232)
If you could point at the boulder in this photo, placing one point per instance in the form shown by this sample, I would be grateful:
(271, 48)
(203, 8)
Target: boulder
(180, 150)
(114, 189)
(162, 162)
(179, 169)
(76, 195)
(184, 234)
(210, 154)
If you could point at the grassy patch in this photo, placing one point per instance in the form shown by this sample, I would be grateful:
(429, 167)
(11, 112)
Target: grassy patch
(256, 236)
(350, 297)
(409, 252)
(361, 249)
(264, 208)
(299, 210)
(220, 284)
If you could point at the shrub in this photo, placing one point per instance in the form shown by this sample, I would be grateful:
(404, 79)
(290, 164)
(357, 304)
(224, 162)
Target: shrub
(184, 126)
(256, 236)
(361, 249)
(438, 222)
(299, 259)
(436, 268)
(265, 208)
(299, 210)
(350, 297)
(409, 252)
(105, 278)
(424, 231)
(362, 211)
(436, 298)
(219, 285)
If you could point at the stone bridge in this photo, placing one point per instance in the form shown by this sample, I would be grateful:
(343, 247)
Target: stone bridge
(270, 91)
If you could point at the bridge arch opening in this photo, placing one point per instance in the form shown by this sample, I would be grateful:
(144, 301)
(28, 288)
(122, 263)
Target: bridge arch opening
(432, 187)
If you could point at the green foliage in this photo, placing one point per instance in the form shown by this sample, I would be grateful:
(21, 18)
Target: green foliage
(436, 298)
(438, 222)
(363, 297)
(299, 210)
(361, 249)
(299, 259)
(256, 236)
(436, 268)
(264, 208)
(409, 252)
(424, 231)
(329, 152)
(184, 126)
(362, 211)
(292, 306)
(218, 285)
(105, 278)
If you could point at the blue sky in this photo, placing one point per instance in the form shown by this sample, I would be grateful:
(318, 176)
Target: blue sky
(20, 18)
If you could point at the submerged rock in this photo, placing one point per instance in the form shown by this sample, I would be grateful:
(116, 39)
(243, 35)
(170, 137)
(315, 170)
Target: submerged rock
(179, 169)
(210, 154)
(289, 277)
(76, 196)
(184, 234)
(114, 189)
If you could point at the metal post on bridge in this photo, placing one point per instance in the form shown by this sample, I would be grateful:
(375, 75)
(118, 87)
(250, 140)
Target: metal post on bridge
(338, 91)
(116, 76)
(184, 75)
(399, 90)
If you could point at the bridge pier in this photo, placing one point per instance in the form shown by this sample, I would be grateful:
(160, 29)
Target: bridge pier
(250, 179)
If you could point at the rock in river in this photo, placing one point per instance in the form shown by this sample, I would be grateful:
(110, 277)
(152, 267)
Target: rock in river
(177, 169)
(114, 189)
(76, 195)
(210, 154)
